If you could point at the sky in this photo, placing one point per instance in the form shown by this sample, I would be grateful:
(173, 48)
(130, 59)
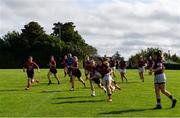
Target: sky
(126, 26)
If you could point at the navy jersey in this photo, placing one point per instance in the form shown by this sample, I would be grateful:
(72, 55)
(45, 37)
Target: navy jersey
(69, 62)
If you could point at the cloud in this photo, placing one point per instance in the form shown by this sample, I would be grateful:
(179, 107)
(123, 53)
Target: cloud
(109, 25)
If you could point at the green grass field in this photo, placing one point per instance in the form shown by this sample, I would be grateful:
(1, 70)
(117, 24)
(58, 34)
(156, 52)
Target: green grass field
(135, 98)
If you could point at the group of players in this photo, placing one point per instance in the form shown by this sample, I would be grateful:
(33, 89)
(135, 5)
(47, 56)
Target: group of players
(101, 72)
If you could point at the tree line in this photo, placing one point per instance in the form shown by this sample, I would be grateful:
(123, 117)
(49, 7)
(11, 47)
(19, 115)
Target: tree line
(171, 61)
(15, 46)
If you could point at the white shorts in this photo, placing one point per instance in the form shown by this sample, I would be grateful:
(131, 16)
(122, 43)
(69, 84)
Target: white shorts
(106, 78)
(97, 75)
(122, 70)
(160, 79)
(113, 68)
(86, 72)
(141, 70)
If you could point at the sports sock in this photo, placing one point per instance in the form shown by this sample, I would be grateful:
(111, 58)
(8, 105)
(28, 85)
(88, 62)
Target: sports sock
(171, 97)
(158, 101)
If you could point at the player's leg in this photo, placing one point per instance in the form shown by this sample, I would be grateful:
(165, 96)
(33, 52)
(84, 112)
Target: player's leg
(86, 74)
(57, 78)
(115, 85)
(109, 91)
(34, 80)
(54, 71)
(122, 77)
(125, 77)
(72, 79)
(150, 71)
(158, 97)
(78, 75)
(28, 84)
(114, 69)
(92, 88)
(65, 71)
(49, 77)
(30, 75)
(168, 94)
(82, 81)
(142, 76)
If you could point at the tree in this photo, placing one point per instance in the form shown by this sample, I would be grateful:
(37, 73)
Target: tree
(145, 53)
(117, 56)
(15, 47)
(175, 58)
(72, 38)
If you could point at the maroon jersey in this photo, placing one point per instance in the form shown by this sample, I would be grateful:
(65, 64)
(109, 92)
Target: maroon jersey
(87, 64)
(76, 65)
(122, 65)
(150, 63)
(30, 65)
(158, 64)
(64, 62)
(112, 63)
(105, 69)
(98, 68)
(92, 70)
(141, 64)
(75, 71)
(52, 64)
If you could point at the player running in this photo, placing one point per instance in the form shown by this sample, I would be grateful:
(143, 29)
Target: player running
(107, 79)
(122, 66)
(86, 66)
(141, 67)
(149, 65)
(29, 69)
(65, 66)
(160, 80)
(112, 63)
(52, 70)
(69, 64)
(76, 73)
(95, 76)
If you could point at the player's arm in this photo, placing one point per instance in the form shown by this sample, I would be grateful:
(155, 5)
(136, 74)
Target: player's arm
(126, 65)
(75, 67)
(151, 68)
(37, 67)
(158, 69)
(109, 70)
(137, 65)
(52, 65)
(24, 68)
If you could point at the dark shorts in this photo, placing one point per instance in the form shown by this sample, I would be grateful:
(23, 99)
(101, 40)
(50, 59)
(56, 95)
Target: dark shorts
(54, 71)
(30, 73)
(97, 81)
(76, 73)
(86, 72)
(70, 71)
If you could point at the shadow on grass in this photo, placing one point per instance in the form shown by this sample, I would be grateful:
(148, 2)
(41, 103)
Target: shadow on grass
(53, 91)
(128, 82)
(79, 102)
(126, 111)
(72, 97)
(11, 90)
(132, 110)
